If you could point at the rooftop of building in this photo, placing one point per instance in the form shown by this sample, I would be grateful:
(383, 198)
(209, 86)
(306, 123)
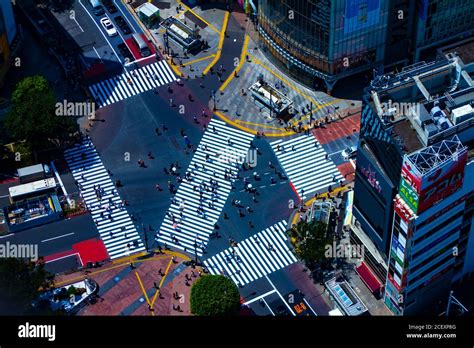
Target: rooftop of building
(425, 102)
(464, 49)
(434, 156)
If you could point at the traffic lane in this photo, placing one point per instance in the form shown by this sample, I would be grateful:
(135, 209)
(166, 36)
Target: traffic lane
(334, 148)
(261, 308)
(288, 303)
(297, 275)
(80, 27)
(123, 11)
(65, 264)
(276, 305)
(108, 51)
(56, 236)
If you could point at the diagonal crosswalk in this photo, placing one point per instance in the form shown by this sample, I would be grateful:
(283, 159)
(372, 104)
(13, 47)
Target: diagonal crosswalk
(132, 83)
(116, 228)
(201, 197)
(254, 257)
(306, 164)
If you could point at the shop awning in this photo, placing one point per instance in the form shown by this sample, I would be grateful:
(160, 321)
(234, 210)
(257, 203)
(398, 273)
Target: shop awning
(368, 277)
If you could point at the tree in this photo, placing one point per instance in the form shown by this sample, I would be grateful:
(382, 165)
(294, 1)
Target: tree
(309, 240)
(32, 116)
(19, 284)
(214, 295)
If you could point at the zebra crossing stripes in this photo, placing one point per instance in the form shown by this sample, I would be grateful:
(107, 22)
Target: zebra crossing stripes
(218, 158)
(115, 227)
(306, 164)
(253, 258)
(132, 83)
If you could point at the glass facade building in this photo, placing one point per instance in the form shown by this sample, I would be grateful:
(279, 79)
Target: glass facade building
(326, 40)
(322, 39)
(410, 199)
(442, 22)
(8, 33)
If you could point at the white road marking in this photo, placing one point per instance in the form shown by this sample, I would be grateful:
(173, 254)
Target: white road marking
(280, 295)
(62, 236)
(100, 30)
(259, 297)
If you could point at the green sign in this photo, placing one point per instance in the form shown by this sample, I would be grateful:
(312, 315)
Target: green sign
(409, 195)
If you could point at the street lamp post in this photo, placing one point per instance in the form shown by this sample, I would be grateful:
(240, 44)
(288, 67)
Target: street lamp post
(195, 253)
(454, 300)
(145, 238)
(214, 100)
(167, 46)
(271, 106)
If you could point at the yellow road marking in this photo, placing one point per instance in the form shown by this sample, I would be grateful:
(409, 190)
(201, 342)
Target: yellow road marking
(128, 258)
(178, 254)
(198, 60)
(161, 283)
(248, 130)
(308, 98)
(143, 290)
(174, 67)
(238, 67)
(220, 44)
(325, 194)
(198, 16)
(257, 124)
(72, 280)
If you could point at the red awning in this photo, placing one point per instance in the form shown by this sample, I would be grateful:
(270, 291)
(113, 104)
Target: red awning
(368, 277)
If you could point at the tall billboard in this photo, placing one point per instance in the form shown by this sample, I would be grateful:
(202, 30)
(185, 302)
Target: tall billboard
(421, 191)
(361, 14)
(443, 182)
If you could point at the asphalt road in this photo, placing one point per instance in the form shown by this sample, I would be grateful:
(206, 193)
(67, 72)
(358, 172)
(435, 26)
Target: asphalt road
(56, 236)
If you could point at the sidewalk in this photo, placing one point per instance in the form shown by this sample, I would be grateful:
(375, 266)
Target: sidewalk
(127, 291)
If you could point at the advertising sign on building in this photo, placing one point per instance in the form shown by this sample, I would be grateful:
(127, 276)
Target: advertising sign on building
(403, 211)
(410, 174)
(420, 192)
(409, 195)
(443, 182)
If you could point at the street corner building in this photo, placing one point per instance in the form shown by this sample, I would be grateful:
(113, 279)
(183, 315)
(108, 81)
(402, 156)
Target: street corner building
(323, 41)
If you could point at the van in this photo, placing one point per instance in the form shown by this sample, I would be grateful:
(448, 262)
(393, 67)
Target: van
(96, 7)
(141, 44)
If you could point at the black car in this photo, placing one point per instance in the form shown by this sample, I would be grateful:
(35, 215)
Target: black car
(109, 5)
(124, 27)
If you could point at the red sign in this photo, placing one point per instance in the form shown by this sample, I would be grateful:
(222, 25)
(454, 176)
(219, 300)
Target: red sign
(411, 177)
(402, 211)
(442, 183)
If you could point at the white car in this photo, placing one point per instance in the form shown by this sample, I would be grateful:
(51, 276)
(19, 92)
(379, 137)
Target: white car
(108, 26)
(349, 152)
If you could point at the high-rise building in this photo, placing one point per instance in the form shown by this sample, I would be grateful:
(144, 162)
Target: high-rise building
(8, 34)
(323, 41)
(418, 121)
(440, 22)
(431, 228)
